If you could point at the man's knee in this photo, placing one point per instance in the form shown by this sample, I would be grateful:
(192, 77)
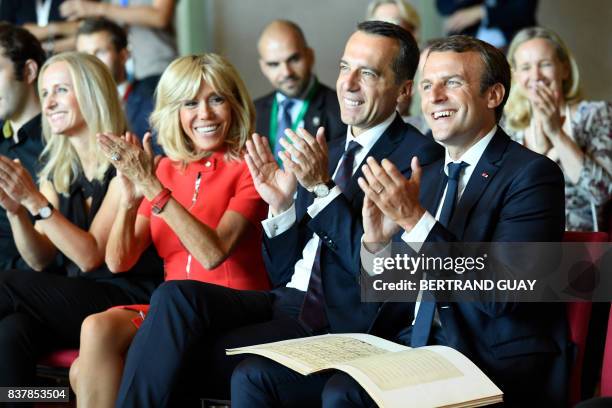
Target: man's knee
(16, 329)
(7, 279)
(252, 373)
(175, 291)
(342, 391)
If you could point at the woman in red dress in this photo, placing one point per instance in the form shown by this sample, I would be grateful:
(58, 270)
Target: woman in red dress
(200, 207)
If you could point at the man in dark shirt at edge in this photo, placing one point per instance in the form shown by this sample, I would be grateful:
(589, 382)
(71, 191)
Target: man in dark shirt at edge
(21, 57)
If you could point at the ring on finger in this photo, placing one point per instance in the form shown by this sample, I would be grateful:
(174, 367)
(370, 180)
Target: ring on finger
(115, 156)
(382, 188)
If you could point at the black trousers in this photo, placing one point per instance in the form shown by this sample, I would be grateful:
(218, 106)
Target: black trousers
(178, 353)
(40, 312)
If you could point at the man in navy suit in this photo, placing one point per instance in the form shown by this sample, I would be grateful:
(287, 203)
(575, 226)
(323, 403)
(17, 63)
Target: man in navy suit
(311, 243)
(298, 99)
(486, 189)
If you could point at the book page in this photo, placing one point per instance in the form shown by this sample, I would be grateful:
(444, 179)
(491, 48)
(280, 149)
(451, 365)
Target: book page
(404, 369)
(311, 354)
(433, 376)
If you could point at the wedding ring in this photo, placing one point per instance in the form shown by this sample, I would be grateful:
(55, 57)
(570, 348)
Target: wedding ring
(115, 156)
(382, 188)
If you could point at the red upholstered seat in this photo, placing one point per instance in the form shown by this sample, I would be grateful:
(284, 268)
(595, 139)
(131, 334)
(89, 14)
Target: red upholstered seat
(606, 371)
(579, 316)
(59, 358)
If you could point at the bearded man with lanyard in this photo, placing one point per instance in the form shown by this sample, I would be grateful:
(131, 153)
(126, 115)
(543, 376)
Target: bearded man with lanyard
(299, 99)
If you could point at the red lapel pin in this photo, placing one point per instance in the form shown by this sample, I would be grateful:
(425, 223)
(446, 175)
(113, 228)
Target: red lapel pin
(485, 174)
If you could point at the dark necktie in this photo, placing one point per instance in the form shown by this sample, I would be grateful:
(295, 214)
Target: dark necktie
(284, 123)
(427, 307)
(312, 313)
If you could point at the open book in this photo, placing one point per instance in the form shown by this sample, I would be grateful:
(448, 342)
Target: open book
(392, 374)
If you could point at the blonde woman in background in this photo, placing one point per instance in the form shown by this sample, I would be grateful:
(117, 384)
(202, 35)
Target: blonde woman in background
(201, 209)
(546, 113)
(403, 14)
(62, 229)
(398, 12)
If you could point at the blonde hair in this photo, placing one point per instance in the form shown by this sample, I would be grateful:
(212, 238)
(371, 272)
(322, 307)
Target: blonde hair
(182, 81)
(96, 95)
(518, 108)
(406, 10)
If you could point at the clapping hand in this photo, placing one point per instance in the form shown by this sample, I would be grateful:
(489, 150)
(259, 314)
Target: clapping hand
(133, 161)
(18, 187)
(306, 156)
(546, 108)
(396, 197)
(11, 206)
(275, 185)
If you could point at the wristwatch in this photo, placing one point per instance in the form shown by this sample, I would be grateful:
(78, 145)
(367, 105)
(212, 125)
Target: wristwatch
(323, 189)
(44, 212)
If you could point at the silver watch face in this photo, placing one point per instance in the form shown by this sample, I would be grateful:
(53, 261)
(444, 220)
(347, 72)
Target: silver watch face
(321, 190)
(45, 212)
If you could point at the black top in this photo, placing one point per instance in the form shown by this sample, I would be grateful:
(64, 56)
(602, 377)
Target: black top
(27, 150)
(147, 273)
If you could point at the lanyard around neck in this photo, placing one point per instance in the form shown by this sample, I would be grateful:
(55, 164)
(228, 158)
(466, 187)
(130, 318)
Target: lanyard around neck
(298, 119)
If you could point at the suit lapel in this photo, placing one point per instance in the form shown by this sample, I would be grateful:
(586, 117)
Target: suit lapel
(314, 116)
(265, 115)
(483, 174)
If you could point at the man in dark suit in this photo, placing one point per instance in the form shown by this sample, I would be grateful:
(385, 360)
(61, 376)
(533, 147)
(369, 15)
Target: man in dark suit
(108, 41)
(311, 244)
(299, 100)
(487, 189)
(21, 57)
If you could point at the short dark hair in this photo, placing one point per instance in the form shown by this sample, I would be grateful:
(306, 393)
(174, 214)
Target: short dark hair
(19, 45)
(97, 24)
(496, 67)
(407, 60)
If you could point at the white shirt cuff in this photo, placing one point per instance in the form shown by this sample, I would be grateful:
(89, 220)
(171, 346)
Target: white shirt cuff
(368, 259)
(276, 225)
(320, 203)
(419, 233)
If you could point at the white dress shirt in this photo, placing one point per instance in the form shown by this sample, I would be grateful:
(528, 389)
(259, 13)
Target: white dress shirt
(276, 225)
(421, 230)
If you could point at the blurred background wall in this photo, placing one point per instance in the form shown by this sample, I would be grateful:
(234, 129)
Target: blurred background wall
(231, 27)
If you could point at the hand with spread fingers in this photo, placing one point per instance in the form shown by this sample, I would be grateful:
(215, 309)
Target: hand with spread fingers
(306, 157)
(18, 185)
(133, 162)
(395, 196)
(275, 185)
